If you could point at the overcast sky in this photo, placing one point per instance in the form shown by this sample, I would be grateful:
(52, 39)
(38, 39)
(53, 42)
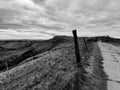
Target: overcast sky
(43, 19)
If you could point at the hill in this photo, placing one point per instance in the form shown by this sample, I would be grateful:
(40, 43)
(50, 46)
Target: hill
(50, 65)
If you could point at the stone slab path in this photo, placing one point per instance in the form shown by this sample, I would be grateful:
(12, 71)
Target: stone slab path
(111, 64)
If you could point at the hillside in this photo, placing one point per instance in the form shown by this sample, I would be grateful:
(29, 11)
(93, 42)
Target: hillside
(15, 52)
(50, 65)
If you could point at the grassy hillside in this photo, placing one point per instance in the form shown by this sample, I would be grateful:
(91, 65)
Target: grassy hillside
(15, 52)
(48, 65)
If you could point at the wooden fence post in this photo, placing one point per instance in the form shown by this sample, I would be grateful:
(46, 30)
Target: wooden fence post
(78, 58)
(6, 65)
(85, 43)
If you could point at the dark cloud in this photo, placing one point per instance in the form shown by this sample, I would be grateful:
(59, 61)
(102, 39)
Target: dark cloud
(12, 26)
(7, 13)
(39, 2)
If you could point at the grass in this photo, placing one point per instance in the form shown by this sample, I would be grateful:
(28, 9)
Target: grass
(52, 66)
(96, 79)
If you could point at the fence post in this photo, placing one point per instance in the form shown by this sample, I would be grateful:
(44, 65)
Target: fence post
(85, 43)
(6, 65)
(78, 58)
(8, 75)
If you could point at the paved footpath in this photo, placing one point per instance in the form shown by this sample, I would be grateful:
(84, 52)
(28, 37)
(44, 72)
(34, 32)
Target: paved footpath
(111, 64)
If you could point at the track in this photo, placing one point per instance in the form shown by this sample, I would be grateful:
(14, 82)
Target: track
(111, 64)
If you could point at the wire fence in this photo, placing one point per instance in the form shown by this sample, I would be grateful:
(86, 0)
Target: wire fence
(41, 55)
(34, 57)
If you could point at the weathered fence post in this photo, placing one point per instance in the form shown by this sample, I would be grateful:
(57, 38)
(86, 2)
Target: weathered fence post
(78, 58)
(6, 65)
(50, 53)
(85, 43)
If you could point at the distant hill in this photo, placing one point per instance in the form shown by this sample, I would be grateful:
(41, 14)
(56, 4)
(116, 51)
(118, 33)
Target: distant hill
(104, 39)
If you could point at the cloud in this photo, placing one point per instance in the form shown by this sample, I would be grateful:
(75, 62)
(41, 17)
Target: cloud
(59, 15)
(23, 34)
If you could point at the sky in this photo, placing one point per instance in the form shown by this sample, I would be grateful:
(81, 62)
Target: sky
(43, 19)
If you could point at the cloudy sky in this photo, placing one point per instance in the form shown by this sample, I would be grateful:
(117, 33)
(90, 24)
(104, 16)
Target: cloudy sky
(43, 19)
